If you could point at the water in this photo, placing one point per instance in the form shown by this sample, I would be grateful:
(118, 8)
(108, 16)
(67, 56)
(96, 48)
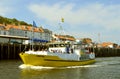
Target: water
(104, 68)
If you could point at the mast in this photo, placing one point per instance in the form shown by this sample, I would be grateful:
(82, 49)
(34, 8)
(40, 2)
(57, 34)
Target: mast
(32, 37)
(60, 27)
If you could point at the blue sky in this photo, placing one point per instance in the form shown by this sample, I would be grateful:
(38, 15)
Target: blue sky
(82, 18)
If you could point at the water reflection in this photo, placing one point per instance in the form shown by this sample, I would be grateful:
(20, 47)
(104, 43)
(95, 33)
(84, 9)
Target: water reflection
(104, 68)
(75, 72)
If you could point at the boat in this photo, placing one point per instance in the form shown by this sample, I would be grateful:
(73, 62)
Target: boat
(58, 54)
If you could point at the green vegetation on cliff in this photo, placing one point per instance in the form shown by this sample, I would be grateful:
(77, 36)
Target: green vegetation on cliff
(4, 20)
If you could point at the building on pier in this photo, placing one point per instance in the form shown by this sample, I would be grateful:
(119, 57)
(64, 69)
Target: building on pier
(30, 32)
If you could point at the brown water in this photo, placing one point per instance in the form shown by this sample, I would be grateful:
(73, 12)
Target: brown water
(104, 68)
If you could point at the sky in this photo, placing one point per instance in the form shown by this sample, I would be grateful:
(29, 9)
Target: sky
(95, 19)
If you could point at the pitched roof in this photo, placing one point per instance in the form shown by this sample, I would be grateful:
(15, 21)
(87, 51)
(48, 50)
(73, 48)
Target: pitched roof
(23, 27)
(105, 44)
(65, 37)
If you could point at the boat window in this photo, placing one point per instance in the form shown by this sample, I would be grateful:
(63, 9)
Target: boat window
(56, 45)
(51, 45)
(62, 45)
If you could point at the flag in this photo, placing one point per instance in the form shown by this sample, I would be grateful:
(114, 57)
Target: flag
(62, 19)
(34, 24)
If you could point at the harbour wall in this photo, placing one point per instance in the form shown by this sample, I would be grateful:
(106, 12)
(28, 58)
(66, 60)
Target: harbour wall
(11, 51)
(107, 52)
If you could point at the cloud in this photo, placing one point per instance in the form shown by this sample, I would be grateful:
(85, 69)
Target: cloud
(5, 8)
(51, 13)
(96, 14)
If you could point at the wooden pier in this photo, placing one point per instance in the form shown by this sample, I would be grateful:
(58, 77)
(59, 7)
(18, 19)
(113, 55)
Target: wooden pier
(107, 52)
(11, 51)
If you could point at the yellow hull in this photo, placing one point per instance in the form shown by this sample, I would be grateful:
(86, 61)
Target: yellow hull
(51, 61)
